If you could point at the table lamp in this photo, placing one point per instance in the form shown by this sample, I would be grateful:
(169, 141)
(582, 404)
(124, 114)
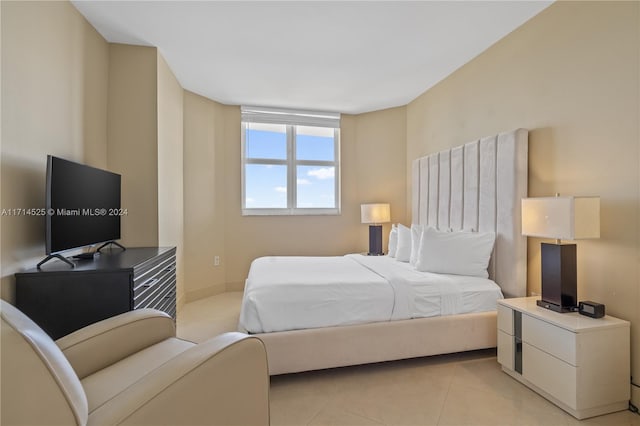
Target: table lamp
(562, 218)
(375, 215)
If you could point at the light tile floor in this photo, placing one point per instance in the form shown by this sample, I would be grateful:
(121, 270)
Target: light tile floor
(457, 389)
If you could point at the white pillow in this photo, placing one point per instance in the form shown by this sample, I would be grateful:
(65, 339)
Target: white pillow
(393, 241)
(458, 252)
(416, 234)
(403, 253)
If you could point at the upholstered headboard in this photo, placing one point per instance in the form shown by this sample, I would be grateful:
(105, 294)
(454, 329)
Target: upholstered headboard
(478, 186)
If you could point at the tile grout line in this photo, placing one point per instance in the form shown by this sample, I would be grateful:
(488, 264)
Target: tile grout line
(444, 402)
(380, 422)
(326, 404)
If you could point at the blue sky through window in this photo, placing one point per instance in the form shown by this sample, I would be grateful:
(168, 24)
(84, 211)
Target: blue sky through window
(316, 187)
(266, 142)
(314, 144)
(266, 184)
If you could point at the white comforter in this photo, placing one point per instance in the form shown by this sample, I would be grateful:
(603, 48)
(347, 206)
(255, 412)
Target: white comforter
(289, 293)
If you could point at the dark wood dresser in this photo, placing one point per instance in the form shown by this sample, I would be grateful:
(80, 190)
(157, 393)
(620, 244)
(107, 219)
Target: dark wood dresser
(61, 300)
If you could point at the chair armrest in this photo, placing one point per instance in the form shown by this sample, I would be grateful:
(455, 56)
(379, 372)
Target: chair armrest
(106, 342)
(223, 381)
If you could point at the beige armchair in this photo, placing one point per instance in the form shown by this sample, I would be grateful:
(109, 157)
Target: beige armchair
(129, 369)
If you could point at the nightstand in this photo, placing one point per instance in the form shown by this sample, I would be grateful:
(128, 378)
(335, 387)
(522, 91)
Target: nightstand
(581, 364)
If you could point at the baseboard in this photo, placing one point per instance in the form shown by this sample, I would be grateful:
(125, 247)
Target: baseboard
(236, 286)
(204, 292)
(635, 396)
(180, 302)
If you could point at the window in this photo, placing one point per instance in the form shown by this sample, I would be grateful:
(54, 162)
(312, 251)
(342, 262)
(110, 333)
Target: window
(290, 162)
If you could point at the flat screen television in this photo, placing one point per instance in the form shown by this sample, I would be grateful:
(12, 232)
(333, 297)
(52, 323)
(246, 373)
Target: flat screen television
(82, 205)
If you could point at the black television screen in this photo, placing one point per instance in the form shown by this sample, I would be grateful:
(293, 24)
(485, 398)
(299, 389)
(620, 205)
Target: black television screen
(83, 205)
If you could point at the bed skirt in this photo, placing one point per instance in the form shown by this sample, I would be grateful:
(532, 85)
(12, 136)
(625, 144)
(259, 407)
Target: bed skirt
(319, 348)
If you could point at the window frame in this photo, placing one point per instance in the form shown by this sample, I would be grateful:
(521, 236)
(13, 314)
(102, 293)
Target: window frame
(292, 163)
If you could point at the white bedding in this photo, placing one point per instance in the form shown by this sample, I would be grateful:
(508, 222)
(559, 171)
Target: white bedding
(290, 293)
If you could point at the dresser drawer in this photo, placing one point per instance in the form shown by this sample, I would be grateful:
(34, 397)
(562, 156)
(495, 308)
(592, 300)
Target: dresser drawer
(157, 290)
(549, 338)
(550, 374)
(505, 319)
(142, 280)
(154, 284)
(150, 285)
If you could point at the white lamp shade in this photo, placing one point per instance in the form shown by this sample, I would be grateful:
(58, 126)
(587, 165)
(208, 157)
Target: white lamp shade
(564, 218)
(375, 213)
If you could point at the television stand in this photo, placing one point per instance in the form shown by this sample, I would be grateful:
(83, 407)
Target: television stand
(62, 300)
(55, 256)
(86, 256)
(109, 243)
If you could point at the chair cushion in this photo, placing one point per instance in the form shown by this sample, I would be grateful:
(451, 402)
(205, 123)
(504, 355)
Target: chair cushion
(103, 385)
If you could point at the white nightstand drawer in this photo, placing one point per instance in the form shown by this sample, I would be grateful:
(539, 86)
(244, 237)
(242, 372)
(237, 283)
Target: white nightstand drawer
(553, 340)
(550, 374)
(505, 319)
(506, 350)
(579, 363)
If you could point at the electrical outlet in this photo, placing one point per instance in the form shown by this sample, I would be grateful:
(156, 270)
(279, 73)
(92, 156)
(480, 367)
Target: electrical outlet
(216, 261)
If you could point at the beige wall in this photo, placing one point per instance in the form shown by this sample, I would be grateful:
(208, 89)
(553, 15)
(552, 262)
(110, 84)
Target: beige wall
(380, 155)
(170, 166)
(571, 76)
(145, 145)
(54, 86)
(1, 98)
(133, 139)
(373, 165)
(204, 195)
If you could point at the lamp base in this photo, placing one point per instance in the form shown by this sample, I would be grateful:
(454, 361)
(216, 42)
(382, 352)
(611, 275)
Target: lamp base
(559, 283)
(375, 240)
(554, 307)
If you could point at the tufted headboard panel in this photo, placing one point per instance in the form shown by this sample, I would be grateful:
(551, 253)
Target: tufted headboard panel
(478, 186)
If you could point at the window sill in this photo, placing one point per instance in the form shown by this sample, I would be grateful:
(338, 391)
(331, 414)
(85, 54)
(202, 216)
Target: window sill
(291, 212)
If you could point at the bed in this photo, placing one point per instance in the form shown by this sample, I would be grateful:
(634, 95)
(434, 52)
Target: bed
(476, 186)
(297, 293)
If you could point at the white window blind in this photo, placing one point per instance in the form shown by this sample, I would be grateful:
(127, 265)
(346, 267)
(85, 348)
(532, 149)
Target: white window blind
(290, 116)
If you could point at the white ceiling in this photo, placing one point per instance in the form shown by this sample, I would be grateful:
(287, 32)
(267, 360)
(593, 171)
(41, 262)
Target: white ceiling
(348, 57)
